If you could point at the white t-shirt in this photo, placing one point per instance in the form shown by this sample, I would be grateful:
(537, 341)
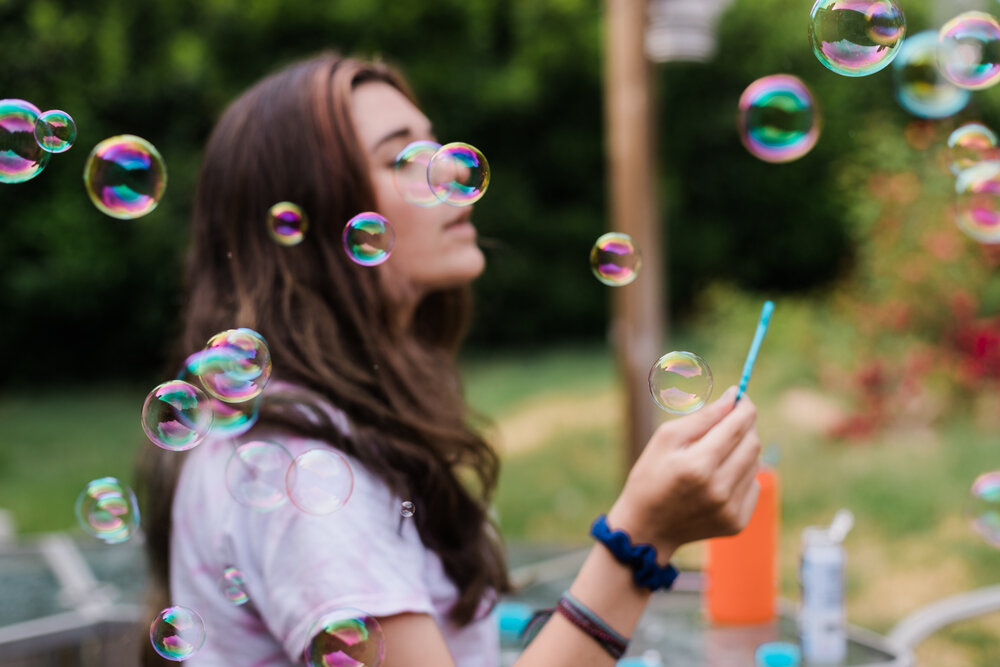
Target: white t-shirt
(298, 566)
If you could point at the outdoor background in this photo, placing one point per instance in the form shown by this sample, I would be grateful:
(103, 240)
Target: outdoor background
(879, 382)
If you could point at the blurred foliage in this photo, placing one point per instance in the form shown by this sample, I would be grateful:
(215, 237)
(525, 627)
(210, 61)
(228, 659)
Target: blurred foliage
(82, 294)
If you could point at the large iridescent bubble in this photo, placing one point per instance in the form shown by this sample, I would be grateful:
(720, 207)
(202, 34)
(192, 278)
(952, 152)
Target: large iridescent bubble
(969, 50)
(108, 510)
(458, 174)
(177, 633)
(125, 177)
(920, 87)
(345, 638)
(235, 365)
(177, 416)
(778, 120)
(978, 208)
(21, 158)
(320, 481)
(856, 37)
(680, 382)
(256, 473)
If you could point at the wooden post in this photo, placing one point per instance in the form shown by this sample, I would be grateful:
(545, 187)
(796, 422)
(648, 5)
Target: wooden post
(638, 323)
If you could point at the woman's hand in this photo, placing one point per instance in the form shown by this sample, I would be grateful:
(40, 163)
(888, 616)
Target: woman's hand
(695, 479)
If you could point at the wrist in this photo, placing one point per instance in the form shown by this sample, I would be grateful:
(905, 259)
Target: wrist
(621, 517)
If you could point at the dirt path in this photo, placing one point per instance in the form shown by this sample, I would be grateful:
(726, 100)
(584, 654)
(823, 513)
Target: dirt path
(535, 422)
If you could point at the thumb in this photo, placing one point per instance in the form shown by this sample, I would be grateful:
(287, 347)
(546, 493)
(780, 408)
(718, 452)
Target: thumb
(692, 427)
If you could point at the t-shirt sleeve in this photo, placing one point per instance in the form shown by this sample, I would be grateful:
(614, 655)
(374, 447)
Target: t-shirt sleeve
(365, 555)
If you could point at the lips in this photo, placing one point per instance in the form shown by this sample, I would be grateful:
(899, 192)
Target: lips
(463, 220)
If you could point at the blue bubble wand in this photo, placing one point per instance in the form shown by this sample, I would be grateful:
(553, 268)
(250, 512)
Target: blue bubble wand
(758, 338)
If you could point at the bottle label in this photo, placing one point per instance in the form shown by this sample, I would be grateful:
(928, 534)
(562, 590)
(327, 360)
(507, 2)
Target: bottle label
(821, 618)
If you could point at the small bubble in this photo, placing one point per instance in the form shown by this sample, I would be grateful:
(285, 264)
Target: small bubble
(125, 177)
(108, 510)
(615, 260)
(345, 638)
(368, 239)
(680, 382)
(778, 120)
(287, 224)
(234, 586)
(177, 633)
(55, 131)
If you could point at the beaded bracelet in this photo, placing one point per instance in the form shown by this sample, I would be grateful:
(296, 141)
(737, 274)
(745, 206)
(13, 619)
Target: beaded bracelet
(641, 558)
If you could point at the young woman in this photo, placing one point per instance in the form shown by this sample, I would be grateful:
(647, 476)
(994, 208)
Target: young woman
(364, 362)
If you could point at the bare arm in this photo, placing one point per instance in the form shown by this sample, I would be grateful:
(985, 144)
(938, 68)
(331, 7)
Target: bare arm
(695, 479)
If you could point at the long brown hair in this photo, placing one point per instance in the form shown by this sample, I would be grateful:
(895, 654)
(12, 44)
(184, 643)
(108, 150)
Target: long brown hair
(329, 323)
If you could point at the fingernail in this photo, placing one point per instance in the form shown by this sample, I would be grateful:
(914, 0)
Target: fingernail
(730, 393)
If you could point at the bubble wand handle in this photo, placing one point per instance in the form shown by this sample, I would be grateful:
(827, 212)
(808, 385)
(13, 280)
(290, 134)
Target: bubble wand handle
(758, 338)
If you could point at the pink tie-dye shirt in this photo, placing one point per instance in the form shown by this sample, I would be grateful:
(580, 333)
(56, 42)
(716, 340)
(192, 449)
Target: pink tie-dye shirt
(297, 566)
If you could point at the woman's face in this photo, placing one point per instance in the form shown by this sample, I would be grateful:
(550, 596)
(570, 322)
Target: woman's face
(435, 247)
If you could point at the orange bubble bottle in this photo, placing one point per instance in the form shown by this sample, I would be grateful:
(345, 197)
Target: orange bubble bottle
(741, 573)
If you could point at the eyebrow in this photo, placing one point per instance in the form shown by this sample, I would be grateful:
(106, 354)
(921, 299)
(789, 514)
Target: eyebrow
(402, 132)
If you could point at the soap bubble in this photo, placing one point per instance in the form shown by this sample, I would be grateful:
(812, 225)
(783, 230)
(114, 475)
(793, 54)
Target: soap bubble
(233, 419)
(978, 208)
(320, 481)
(21, 158)
(255, 475)
(778, 120)
(921, 89)
(971, 144)
(615, 260)
(410, 173)
(856, 37)
(407, 509)
(983, 507)
(234, 586)
(55, 131)
(177, 633)
(458, 174)
(680, 382)
(345, 638)
(969, 50)
(108, 510)
(235, 365)
(125, 177)
(287, 223)
(368, 239)
(176, 416)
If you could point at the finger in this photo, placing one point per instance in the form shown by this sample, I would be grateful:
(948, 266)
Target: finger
(725, 436)
(743, 483)
(734, 468)
(749, 502)
(694, 426)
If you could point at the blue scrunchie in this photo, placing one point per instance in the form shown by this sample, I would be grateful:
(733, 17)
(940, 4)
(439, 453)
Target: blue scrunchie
(640, 558)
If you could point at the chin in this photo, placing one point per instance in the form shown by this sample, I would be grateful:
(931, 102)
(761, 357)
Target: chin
(458, 272)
